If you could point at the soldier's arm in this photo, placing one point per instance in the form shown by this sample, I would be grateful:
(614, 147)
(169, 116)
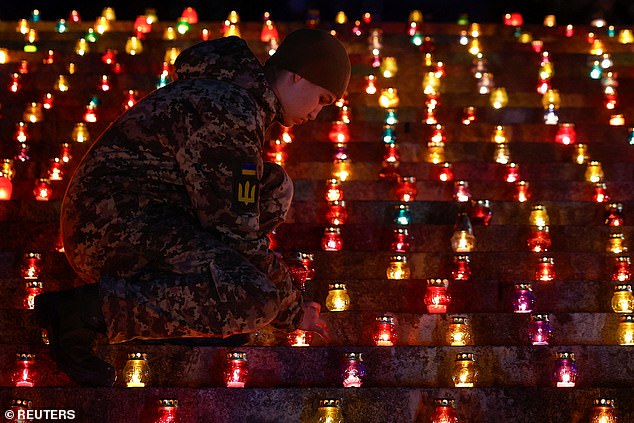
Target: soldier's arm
(219, 154)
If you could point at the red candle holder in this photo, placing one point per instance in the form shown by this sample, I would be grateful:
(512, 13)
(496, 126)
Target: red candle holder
(337, 214)
(6, 187)
(32, 290)
(401, 243)
(190, 15)
(543, 85)
(370, 87)
(339, 133)
(236, 370)
(622, 269)
(480, 212)
(14, 83)
(461, 268)
(461, 192)
(43, 190)
(25, 374)
(47, 101)
(391, 163)
(444, 411)
(512, 173)
(90, 115)
(513, 19)
(566, 134)
(437, 297)
(130, 100)
(565, 374)
(167, 411)
(384, 333)
(438, 134)
(332, 241)
(539, 239)
(334, 192)
(600, 193)
(444, 172)
(539, 330)
(308, 259)
(297, 270)
(300, 338)
(20, 408)
(406, 190)
(469, 115)
(522, 191)
(614, 214)
(31, 267)
(545, 269)
(21, 133)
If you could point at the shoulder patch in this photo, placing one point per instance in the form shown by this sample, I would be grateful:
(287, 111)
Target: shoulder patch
(246, 189)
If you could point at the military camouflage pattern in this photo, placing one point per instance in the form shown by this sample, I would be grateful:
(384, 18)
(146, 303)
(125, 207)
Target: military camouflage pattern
(170, 208)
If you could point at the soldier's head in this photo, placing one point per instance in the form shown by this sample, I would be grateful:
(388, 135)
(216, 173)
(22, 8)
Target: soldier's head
(309, 70)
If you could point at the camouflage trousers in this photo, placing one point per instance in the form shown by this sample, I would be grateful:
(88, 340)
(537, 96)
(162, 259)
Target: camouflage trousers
(189, 283)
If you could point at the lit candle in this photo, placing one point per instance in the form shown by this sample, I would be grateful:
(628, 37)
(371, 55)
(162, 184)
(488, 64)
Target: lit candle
(33, 289)
(353, 370)
(385, 331)
(398, 268)
(437, 297)
(24, 374)
(338, 298)
(444, 411)
(462, 269)
(565, 370)
(539, 329)
(332, 241)
(625, 332)
(459, 332)
(622, 299)
(236, 371)
(167, 411)
(523, 300)
(545, 269)
(329, 411)
(622, 271)
(300, 338)
(603, 411)
(136, 371)
(465, 372)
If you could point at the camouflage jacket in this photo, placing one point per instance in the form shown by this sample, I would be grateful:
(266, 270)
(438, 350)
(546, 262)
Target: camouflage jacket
(194, 148)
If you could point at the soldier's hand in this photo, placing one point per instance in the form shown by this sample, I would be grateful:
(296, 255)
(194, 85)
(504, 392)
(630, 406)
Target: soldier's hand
(312, 321)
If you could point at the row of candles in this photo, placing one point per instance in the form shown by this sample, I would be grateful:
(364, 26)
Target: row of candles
(465, 372)
(330, 410)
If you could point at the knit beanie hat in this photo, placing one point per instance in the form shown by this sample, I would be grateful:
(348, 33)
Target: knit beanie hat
(317, 56)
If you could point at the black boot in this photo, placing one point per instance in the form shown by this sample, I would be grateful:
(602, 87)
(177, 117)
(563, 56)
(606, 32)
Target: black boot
(73, 320)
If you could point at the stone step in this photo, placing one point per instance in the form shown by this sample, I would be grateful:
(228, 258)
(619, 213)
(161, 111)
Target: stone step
(400, 366)
(415, 326)
(364, 405)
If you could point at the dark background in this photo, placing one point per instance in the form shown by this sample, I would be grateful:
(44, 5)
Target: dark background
(567, 11)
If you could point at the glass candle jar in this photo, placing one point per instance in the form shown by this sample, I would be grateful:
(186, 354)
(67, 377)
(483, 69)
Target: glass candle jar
(167, 411)
(329, 411)
(614, 214)
(437, 297)
(353, 370)
(603, 411)
(33, 288)
(406, 190)
(401, 243)
(566, 134)
(539, 239)
(621, 271)
(337, 214)
(461, 192)
(136, 372)
(384, 333)
(539, 330)
(461, 268)
(31, 267)
(512, 173)
(338, 298)
(459, 332)
(622, 299)
(236, 370)
(25, 374)
(545, 269)
(523, 300)
(480, 212)
(615, 243)
(463, 240)
(398, 268)
(594, 172)
(300, 338)
(332, 241)
(565, 374)
(444, 411)
(444, 172)
(402, 215)
(539, 216)
(308, 259)
(465, 372)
